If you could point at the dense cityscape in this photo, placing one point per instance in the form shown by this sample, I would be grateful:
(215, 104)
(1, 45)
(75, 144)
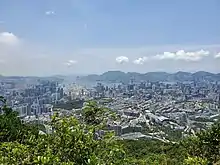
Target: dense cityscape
(161, 110)
(118, 82)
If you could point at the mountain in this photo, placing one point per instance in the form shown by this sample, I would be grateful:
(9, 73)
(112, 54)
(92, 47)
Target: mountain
(114, 76)
(110, 76)
(135, 76)
(180, 76)
(155, 76)
(92, 77)
(118, 76)
(201, 75)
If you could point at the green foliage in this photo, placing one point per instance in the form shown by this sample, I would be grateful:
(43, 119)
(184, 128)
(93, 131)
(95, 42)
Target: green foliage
(73, 104)
(95, 115)
(205, 144)
(195, 161)
(85, 141)
(154, 152)
(72, 142)
(11, 127)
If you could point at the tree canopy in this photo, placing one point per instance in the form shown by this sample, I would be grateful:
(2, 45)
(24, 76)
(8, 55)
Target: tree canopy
(84, 141)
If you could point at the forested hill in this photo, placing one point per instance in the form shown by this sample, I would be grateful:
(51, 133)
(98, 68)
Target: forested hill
(118, 76)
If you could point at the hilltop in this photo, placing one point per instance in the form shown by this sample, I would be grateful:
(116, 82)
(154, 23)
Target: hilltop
(119, 76)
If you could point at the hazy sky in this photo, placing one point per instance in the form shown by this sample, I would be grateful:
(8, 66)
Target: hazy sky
(45, 37)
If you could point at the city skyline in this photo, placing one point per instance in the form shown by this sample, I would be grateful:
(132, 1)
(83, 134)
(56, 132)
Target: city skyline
(81, 37)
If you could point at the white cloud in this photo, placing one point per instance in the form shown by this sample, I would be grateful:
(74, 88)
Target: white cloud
(50, 12)
(217, 55)
(122, 59)
(26, 58)
(70, 63)
(183, 55)
(140, 60)
(8, 38)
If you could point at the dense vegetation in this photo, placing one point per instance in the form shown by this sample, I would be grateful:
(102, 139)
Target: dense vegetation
(80, 141)
(118, 76)
(73, 104)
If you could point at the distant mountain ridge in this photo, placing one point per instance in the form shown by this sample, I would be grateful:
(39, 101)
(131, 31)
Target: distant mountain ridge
(119, 76)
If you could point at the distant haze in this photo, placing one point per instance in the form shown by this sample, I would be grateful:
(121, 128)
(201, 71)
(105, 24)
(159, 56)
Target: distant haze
(43, 38)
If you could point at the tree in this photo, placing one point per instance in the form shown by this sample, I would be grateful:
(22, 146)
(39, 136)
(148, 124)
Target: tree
(205, 145)
(195, 161)
(11, 127)
(72, 142)
(95, 115)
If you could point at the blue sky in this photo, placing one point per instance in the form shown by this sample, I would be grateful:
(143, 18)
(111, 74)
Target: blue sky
(85, 30)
